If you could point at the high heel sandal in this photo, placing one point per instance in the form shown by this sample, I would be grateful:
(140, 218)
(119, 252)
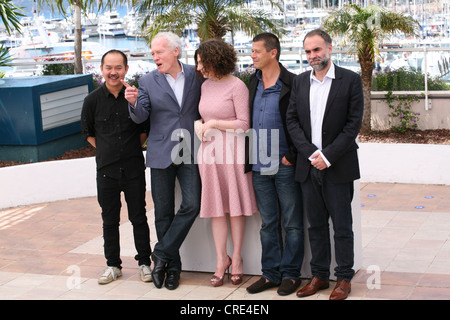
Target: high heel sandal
(236, 278)
(218, 281)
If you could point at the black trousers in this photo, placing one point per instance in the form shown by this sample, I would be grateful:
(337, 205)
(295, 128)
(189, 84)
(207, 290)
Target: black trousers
(323, 200)
(108, 193)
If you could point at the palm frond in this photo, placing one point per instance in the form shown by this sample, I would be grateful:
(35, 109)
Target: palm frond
(254, 21)
(5, 59)
(10, 15)
(214, 18)
(170, 20)
(364, 28)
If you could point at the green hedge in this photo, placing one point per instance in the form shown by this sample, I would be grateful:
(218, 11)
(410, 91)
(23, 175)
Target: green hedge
(405, 80)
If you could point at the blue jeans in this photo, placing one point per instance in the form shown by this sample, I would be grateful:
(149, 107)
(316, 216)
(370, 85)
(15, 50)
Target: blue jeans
(171, 228)
(280, 204)
(325, 199)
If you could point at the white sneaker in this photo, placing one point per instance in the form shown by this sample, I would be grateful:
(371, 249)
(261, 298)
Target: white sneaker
(111, 274)
(145, 272)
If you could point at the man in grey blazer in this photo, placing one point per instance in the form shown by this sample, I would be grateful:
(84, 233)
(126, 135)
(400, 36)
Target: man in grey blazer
(168, 97)
(324, 118)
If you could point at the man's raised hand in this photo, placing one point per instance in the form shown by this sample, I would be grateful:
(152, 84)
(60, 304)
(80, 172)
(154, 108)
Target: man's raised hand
(131, 93)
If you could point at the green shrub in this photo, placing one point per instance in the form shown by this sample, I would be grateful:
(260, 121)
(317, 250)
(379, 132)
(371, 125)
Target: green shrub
(402, 117)
(405, 80)
(58, 68)
(245, 74)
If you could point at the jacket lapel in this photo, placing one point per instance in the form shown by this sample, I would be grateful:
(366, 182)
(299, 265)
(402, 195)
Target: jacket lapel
(305, 92)
(334, 89)
(162, 81)
(253, 84)
(189, 73)
(285, 89)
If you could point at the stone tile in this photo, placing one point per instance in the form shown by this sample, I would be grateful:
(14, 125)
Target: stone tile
(134, 289)
(11, 293)
(425, 293)
(435, 280)
(39, 293)
(400, 278)
(55, 251)
(27, 280)
(408, 265)
(439, 267)
(390, 292)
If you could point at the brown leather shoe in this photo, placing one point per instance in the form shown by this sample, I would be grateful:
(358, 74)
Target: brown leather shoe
(312, 287)
(341, 290)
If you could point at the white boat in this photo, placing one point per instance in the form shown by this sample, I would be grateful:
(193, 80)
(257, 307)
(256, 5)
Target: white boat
(68, 37)
(132, 23)
(110, 17)
(29, 58)
(89, 19)
(111, 30)
(110, 25)
(33, 32)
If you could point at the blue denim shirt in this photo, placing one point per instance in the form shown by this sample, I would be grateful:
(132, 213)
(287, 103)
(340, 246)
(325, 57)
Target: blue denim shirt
(266, 115)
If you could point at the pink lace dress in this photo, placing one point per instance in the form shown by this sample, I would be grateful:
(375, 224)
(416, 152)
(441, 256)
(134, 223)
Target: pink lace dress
(221, 158)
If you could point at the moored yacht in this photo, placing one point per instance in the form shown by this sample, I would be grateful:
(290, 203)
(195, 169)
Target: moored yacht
(110, 25)
(110, 30)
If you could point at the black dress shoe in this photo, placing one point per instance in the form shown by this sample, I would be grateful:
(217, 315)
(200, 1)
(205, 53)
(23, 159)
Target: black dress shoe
(261, 285)
(159, 271)
(288, 286)
(172, 279)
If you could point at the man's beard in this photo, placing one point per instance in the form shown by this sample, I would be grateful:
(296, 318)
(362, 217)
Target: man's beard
(321, 65)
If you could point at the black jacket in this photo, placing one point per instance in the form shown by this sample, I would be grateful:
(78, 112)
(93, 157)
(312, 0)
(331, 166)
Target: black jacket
(286, 77)
(340, 127)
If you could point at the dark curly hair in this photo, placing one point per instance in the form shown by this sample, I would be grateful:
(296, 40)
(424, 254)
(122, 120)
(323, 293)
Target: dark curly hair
(217, 57)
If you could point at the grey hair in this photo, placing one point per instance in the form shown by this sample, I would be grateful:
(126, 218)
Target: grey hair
(319, 32)
(173, 41)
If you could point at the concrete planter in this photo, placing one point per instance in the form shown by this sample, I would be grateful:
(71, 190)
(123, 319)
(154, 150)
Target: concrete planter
(66, 179)
(434, 111)
(405, 163)
(47, 181)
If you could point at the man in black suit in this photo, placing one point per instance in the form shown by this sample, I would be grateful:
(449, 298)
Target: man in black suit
(324, 118)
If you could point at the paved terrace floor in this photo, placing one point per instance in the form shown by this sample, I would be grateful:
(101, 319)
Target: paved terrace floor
(53, 251)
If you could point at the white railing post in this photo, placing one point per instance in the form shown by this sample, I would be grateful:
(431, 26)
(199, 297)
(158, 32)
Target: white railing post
(425, 73)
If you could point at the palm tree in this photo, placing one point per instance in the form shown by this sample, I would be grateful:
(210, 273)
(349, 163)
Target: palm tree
(212, 18)
(363, 29)
(9, 14)
(78, 7)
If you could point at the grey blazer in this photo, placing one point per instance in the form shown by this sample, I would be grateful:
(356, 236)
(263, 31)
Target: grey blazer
(157, 103)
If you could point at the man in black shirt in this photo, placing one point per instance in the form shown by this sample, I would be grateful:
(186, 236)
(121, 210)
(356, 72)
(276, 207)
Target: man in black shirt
(107, 126)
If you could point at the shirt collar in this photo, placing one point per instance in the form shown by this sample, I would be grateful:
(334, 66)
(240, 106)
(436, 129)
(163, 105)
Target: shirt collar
(259, 77)
(107, 93)
(181, 72)
(330, 74)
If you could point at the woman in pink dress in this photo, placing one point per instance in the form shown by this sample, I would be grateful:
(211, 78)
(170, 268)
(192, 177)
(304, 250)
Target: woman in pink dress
(226, 188)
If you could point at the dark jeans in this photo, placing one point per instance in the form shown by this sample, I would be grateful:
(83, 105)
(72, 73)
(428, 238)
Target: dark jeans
(108, 194)
(280, 205)
(324, 199)
(172, 228)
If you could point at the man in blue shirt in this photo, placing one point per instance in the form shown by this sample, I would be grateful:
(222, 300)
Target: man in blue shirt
(277, 193)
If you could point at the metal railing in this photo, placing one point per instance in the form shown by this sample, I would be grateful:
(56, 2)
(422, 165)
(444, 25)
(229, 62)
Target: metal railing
(295, 58)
